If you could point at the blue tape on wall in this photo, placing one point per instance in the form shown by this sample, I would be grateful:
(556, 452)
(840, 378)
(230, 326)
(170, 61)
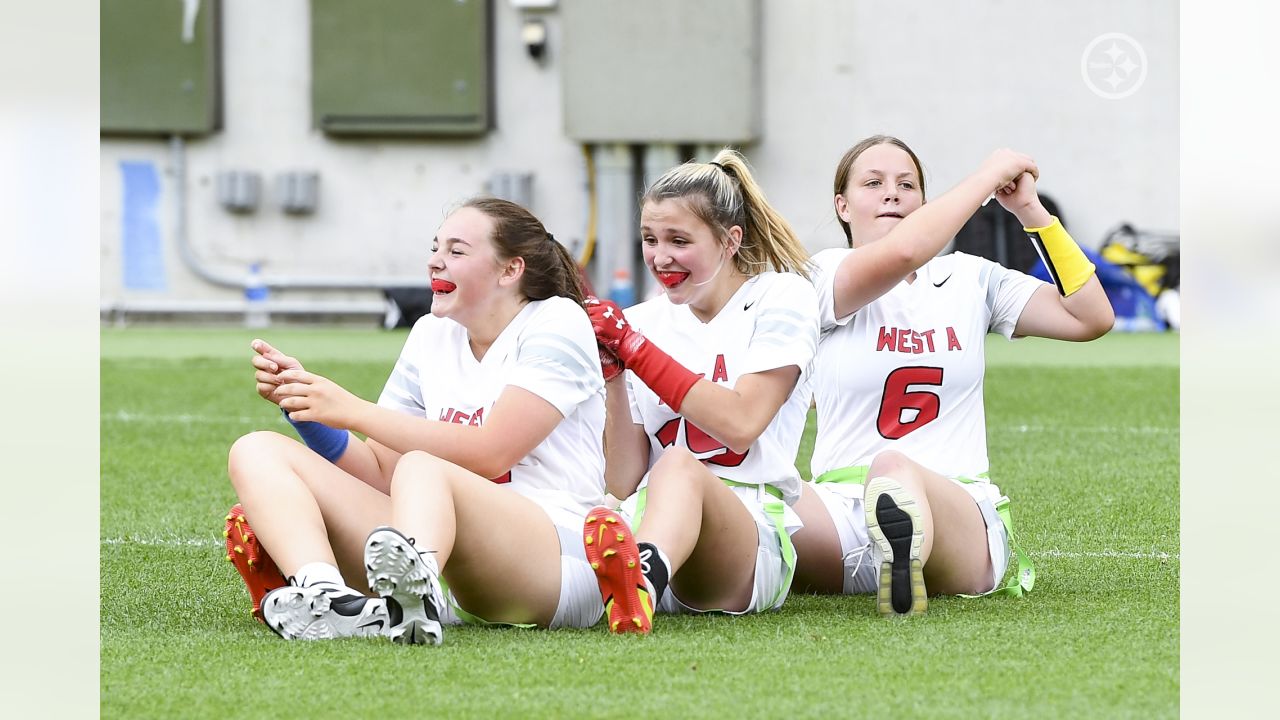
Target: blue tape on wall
(142, 251)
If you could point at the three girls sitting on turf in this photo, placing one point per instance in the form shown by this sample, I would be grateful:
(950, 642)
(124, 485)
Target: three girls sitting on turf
(705, 449)
(483, 456)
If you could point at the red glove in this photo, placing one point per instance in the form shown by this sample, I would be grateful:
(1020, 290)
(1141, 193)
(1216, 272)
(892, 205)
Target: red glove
(609, 363)
(670, 380)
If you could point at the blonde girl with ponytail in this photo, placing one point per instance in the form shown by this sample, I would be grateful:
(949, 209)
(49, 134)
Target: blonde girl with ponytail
(707, 388)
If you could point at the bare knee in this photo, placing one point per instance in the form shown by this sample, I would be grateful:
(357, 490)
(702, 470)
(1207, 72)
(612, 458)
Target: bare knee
(248, 451)
(417, 468)
(891, 463)
(676, 468)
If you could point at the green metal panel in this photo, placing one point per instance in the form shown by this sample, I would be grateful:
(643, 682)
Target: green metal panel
(159, 67)
(400, 67)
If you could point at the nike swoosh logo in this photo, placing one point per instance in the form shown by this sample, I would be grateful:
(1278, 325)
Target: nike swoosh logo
(944, 280)
(377, 621)
(748, 305)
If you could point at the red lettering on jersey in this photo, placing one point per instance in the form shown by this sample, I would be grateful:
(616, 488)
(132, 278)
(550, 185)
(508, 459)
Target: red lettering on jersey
(502, 479)
(666, 434)
(457, 417)
(700, 443)
(719, 374)
(903, 334)
(953, 343)
(886, 339)
(928, 336)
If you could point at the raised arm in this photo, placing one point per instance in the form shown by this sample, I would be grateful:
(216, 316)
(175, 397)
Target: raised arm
(878, 266)
(1074, 307)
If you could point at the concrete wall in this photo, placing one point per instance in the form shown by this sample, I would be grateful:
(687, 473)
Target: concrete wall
(955, 80)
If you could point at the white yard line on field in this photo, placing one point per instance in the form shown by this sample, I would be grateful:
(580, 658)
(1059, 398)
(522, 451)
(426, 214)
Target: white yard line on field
(1107, 429)
(184, 419)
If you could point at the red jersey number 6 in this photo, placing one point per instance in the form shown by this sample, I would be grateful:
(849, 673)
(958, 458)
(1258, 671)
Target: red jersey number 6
(898, 399)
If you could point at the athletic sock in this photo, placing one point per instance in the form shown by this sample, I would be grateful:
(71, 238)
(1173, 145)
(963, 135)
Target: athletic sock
(657, 569)
(316, 572)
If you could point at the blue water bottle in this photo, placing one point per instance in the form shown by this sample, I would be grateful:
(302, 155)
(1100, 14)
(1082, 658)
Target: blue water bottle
(621, 291)
(256, 314)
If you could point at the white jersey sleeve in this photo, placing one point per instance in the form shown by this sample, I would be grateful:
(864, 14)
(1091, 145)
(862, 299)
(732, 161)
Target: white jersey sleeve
(1007, 293)
(403, 391)
(556, 357)
(784, 332)
(825, 265)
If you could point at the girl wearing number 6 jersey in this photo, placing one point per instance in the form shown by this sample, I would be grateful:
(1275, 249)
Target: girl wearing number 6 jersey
(707, 418)
(901, 504)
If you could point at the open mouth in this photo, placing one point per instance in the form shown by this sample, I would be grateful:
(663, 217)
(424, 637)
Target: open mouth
(672, 279)
(442, 287)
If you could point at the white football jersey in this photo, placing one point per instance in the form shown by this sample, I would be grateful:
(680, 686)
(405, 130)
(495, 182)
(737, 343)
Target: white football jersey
(905, 372)
(770, 322)
(548, 349)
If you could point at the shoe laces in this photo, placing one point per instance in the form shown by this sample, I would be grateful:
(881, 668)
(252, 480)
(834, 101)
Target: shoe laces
(859, 554)
(414, 543)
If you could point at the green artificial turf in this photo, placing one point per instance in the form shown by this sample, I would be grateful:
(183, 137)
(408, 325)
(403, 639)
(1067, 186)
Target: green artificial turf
(1084, 438)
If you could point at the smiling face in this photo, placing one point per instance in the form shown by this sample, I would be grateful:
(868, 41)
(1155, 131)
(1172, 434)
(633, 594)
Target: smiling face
(883, 188)
(684, 253)
(465, 271)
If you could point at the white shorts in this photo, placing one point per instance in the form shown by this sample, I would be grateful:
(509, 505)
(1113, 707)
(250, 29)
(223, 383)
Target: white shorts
(844, 503)
(772, 581)
(580, 605)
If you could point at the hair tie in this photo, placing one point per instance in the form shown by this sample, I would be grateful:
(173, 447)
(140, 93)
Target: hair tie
(551, 237)
(722, 168)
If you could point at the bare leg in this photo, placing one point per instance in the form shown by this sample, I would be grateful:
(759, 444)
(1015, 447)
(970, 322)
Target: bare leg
(955, 554)
(705, 531)
(302, 507)
(819, 557)
(497, 549)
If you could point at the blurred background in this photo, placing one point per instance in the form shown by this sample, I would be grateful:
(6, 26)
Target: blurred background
(290, 161)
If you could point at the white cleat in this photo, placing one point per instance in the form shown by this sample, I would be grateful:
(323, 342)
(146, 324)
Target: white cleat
(324, 611)
(409, 580)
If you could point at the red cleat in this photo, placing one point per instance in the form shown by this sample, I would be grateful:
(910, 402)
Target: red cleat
(255, 566)
(615, 559)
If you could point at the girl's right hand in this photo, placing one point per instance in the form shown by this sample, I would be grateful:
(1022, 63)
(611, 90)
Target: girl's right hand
(1004, 166)
(268, 363)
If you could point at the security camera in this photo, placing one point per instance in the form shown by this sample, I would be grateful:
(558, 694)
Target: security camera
(534, 34)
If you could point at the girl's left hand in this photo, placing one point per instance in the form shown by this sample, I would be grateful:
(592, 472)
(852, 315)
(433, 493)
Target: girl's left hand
(1020, 198)
(308, 397)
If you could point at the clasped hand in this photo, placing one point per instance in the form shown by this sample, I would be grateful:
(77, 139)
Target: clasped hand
(281, 379)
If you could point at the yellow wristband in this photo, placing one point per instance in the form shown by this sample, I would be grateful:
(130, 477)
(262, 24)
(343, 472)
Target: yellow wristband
(1066, 262)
